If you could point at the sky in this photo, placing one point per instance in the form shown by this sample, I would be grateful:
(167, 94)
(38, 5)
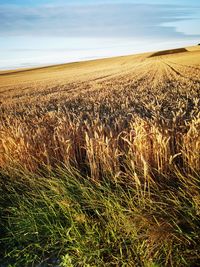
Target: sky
(45, 32)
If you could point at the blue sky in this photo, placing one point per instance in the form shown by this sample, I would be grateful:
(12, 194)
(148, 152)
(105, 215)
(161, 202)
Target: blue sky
(34, 32)
(39, 2)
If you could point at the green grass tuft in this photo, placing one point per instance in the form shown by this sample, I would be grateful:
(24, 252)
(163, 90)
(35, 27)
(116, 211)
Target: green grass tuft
(64, 219)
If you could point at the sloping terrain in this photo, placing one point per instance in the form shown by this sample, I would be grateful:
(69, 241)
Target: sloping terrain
(169, 52)
(108, 91)
(100, 163)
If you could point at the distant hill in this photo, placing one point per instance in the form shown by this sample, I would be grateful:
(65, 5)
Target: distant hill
(167, 52)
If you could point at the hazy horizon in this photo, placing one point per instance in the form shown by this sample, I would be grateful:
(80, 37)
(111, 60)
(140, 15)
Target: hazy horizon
(35, 33)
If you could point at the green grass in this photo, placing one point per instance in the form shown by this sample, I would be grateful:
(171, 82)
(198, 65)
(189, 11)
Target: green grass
(63, 219)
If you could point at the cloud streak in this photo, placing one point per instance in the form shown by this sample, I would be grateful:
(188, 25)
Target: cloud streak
(34, 32)
(111, 20)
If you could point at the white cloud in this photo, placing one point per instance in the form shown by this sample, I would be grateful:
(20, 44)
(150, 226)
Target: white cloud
(49, 34)
(113, 20)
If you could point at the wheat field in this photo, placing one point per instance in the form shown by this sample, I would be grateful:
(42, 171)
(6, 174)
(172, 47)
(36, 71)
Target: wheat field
(133, 120)
(94, 114)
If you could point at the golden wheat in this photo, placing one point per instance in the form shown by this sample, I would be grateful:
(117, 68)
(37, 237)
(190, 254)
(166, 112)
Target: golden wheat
(98, 115)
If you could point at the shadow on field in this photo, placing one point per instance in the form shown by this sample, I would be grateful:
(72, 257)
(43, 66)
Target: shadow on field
(168, 52)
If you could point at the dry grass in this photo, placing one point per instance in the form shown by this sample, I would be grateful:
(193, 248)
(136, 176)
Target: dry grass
(130, 119)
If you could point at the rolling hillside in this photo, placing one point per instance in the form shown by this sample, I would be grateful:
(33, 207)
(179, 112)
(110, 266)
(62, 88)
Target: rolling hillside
(100, 162)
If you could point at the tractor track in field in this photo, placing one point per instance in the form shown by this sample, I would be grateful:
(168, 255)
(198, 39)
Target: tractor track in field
(149, 75)
(184, 65)
(185, 76)
(179, 74)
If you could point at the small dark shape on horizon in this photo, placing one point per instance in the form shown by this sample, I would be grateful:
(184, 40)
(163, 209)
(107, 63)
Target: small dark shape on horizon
(168, 52)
